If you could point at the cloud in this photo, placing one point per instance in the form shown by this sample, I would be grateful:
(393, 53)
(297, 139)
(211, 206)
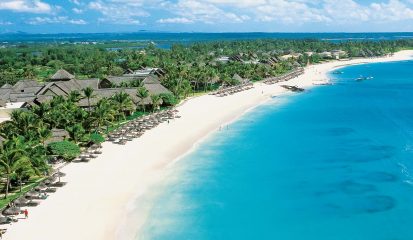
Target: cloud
(119, 11)
(77, 10)
(284, 13)
(289, 12)
(292, 12)
(203, 11)
(29, 6)
(175, 20)
(394, 10)
(76, 2)
(55, 20)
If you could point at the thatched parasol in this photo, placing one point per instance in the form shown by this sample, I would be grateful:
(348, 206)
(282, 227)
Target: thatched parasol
(32, 194)
(4, 220)
(51, 190)
(21, 202)
(40, 187)
(59, 174)
(51, 180)
(12, 211)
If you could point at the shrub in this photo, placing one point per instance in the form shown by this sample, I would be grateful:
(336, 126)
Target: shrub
(65, 149)
(168, 99)
(96, 138)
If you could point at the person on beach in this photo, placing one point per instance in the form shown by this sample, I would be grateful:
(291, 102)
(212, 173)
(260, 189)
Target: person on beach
(26, 213)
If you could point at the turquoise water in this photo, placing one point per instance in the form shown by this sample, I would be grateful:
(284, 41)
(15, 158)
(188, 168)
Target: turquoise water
(334, 163)
(166, 39)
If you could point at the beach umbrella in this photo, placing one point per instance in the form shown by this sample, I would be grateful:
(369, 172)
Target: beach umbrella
(21, 202)
(32, 194)
(33, 204)
(51, 190)
(40, 187)
(84, 157)
(50, 180)
(97, 151)
(59, 174)
(94, 146)
(4, 220)
(12, 211)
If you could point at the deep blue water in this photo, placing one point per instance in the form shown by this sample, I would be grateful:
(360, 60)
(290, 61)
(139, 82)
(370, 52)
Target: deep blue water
(334, 163)
(165, 40)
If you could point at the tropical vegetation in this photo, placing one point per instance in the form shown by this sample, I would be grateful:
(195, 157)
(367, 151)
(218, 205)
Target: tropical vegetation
(26, 150)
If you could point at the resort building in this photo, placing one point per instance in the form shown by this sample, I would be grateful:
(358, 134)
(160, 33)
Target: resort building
(27, 93)
(145, 72)
(223, 59)
(272, 61)
(291, 56)
(326, 54)
(338, 54)
(309, 53)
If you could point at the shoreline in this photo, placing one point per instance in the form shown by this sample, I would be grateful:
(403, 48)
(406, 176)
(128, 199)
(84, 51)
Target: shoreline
(100, 196)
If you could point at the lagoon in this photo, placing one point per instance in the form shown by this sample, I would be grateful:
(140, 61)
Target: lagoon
(332, 163)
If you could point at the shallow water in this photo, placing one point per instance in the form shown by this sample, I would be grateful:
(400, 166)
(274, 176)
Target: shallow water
(334, 163)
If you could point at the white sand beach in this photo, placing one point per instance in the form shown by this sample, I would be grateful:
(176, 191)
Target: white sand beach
(95, 200)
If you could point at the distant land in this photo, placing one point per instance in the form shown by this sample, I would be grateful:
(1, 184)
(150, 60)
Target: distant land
(186, 37)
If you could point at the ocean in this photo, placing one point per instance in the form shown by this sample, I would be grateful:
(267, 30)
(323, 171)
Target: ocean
(333, 163)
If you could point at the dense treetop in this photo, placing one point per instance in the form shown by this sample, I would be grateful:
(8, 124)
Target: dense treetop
(188, 66)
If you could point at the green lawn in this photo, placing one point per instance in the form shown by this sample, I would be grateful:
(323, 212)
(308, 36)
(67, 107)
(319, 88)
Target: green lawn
(16, 193)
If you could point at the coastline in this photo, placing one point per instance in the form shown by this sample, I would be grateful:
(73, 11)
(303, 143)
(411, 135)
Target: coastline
(96, 199)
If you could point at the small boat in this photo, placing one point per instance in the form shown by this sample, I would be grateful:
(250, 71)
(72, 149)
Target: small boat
(361, 78)
(322, 84)
(338, 72)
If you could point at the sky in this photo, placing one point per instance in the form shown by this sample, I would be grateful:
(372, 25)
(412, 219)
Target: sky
(90, 16)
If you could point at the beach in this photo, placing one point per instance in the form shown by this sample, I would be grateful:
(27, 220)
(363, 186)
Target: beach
(97, 197)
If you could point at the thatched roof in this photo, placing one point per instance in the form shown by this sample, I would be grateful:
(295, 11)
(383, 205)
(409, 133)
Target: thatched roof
(62, 75)
(143, 72)
(107, 93)
(58, 135)
(152, 79)
(237, 77)
(156, 89)
(118, 80)
(93, 83)
(27, 86)
(3, 103)
(5, 93)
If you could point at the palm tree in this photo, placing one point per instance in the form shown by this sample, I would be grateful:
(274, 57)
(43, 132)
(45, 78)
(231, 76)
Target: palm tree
(38, 156)
(23, 169)
(43, 133)
(156, 101)
(74, 96)
(103, 114)
(142, 93)
(88, 92)
(25, 124)
(76, 132)
(12, 158)
(41, 110)
(124, 102)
